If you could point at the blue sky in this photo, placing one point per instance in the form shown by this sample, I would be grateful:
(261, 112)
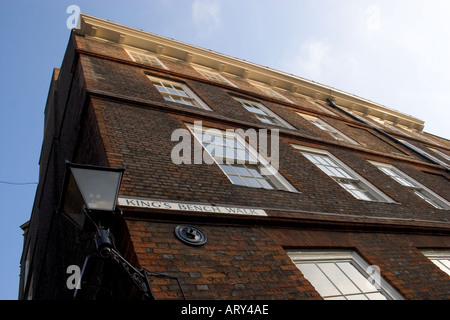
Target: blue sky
(393, 52)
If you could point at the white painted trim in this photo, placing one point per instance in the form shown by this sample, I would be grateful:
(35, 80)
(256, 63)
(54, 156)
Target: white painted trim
(104, 29)
(224, 80)
(382, 197)
(189, 92)
(276, 177)
(268, 111)
(306, 255)
(145, 53)
(330, 128)
(403, 175)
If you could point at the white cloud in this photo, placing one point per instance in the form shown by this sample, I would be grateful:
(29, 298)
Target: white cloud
(373, 21)
(314, 56)
(206, 15)
(320, 61)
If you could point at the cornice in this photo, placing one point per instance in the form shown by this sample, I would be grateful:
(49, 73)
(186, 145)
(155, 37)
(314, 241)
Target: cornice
(110, 31)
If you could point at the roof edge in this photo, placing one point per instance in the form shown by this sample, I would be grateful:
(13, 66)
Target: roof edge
(121, 34)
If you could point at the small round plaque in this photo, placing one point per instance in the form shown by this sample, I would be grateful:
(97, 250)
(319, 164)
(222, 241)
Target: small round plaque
(190, 235)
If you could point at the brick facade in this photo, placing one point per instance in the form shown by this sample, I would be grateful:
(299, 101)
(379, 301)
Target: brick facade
(107, 112)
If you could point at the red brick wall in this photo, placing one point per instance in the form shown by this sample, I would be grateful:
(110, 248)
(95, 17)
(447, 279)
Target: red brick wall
(126, 122)
(243, 261)
(235, 263)
(398, 256)
(139, 138)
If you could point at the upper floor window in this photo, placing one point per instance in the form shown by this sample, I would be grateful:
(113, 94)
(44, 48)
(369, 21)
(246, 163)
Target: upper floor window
(147, 59)
(321, 107)
(420, 190)
(441, 258)
(426, 154)
(239, 161)
(263, 114)
(216, 77)
(343, 275)
(442, 154)
(322, 125)
(272, 93)
(348, 179)
(178, 92)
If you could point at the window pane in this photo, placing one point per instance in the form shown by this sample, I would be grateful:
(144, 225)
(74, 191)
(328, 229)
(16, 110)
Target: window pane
(336, 172)
(186, 102)
(160, 88)
(339, 279)
(344, 173)
(376, 296)
(230, 153)
(265, 184)
(177, 93)
(326, 170)
(237, 163)
(360, 195)
(251, 182)
(254, 110)
(262, 113)
(242, 171)
(323, 160)
(338, 275)
(422, 194)
(403, 181)
(237, 180)
(318, 280)
(227, 169)
(254, 172)
(266, 120)
(358, 279)
(446, 263)
(244, 155)
(230, 142)
(356, 190)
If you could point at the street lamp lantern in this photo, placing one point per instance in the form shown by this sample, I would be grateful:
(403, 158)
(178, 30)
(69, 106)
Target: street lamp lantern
(91, 192)
(98, 186)
(89, 189)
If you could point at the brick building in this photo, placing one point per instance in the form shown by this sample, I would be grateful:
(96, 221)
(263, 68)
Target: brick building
(339, 198)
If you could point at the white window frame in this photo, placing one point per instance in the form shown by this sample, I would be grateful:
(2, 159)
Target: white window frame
(315, 102)
(322, 125)
(350, 176)
(215, 76)
(255, 160)
(321, 107)
(417, 149)
(416, 133)
(270, 115)
(146, 58)
(419, 189)
(442, 154)
(271, 93)
(196, 102)
(440, 258)
(382, 287)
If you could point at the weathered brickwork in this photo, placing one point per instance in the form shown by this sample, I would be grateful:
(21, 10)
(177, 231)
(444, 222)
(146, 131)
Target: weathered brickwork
(107, 112)
(140, 139)
(398, 256)
(235, 263)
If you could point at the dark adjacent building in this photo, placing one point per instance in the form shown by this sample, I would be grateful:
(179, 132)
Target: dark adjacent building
(240, 181)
